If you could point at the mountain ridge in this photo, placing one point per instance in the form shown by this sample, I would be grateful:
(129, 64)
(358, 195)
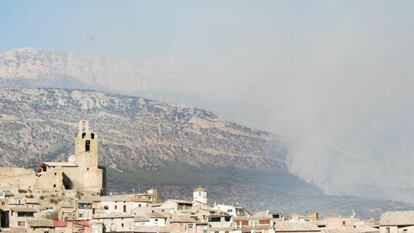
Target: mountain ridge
(185, 123)
(145, 143)
(31, 64)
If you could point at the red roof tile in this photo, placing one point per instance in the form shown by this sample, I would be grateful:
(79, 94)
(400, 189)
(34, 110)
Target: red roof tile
(59, 223)
(83, 223)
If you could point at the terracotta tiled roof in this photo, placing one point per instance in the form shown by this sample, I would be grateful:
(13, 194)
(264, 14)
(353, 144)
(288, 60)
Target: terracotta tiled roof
(60, 223)
(83, 223)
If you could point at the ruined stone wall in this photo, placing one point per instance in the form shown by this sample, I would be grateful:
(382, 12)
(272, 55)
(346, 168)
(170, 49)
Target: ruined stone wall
(15, 178)
(51, 180)
(75, 176)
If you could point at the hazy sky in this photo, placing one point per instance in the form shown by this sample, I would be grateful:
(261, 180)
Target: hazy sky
(335, 78)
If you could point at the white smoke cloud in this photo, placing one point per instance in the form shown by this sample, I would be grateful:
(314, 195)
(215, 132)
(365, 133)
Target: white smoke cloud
(338, 88)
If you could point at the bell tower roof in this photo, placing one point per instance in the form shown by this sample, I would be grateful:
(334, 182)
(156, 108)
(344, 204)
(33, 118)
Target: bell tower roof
(83, 126)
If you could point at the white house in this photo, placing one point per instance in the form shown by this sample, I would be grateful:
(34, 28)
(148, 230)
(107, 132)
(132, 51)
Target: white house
(200, 195)
(397, 222)
(233, 210)
(113, 223)
(122, 204)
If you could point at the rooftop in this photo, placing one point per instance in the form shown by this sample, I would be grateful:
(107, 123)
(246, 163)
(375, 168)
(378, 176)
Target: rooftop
(200, 189)
(60, 164)
(397, 218)
(290, 226)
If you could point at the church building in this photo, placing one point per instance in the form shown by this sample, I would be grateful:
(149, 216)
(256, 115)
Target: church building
(81, 172)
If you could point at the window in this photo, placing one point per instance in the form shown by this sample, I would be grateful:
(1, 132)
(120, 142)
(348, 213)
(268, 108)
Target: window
(387, 230)
(125, 208)
(92, 135)
(25, 214)
(54, 186)
(105, 207)
(21, 223)
(83, 135)
(87, 169)
(122, 225)
(264, 221)
(87, 145)
(343, 223)
(55, 173)
(215, 219)
(116, 207)
(84, 206)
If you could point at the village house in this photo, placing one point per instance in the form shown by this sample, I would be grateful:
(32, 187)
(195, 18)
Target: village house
(67, 210)
(158, 219)
(182, 223)
(397, 222)
(233, 210)
(174, 206)
(220, 222)
(255, 223)
(117, 204)
(41, 226)
(113, 223)
(296, 227)
(339, 222)
(144, 224)
(84, 210)
(202, 213)
(200, 196)
(19, 216)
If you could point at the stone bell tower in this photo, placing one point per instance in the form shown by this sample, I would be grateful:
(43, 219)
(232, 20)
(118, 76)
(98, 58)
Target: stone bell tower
(86, 146)
(86, 157)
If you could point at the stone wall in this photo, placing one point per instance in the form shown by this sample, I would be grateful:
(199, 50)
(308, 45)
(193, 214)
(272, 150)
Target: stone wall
(17, 178)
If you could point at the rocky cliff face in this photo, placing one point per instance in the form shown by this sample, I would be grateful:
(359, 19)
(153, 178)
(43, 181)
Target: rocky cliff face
(31, 67)
(39, 124)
